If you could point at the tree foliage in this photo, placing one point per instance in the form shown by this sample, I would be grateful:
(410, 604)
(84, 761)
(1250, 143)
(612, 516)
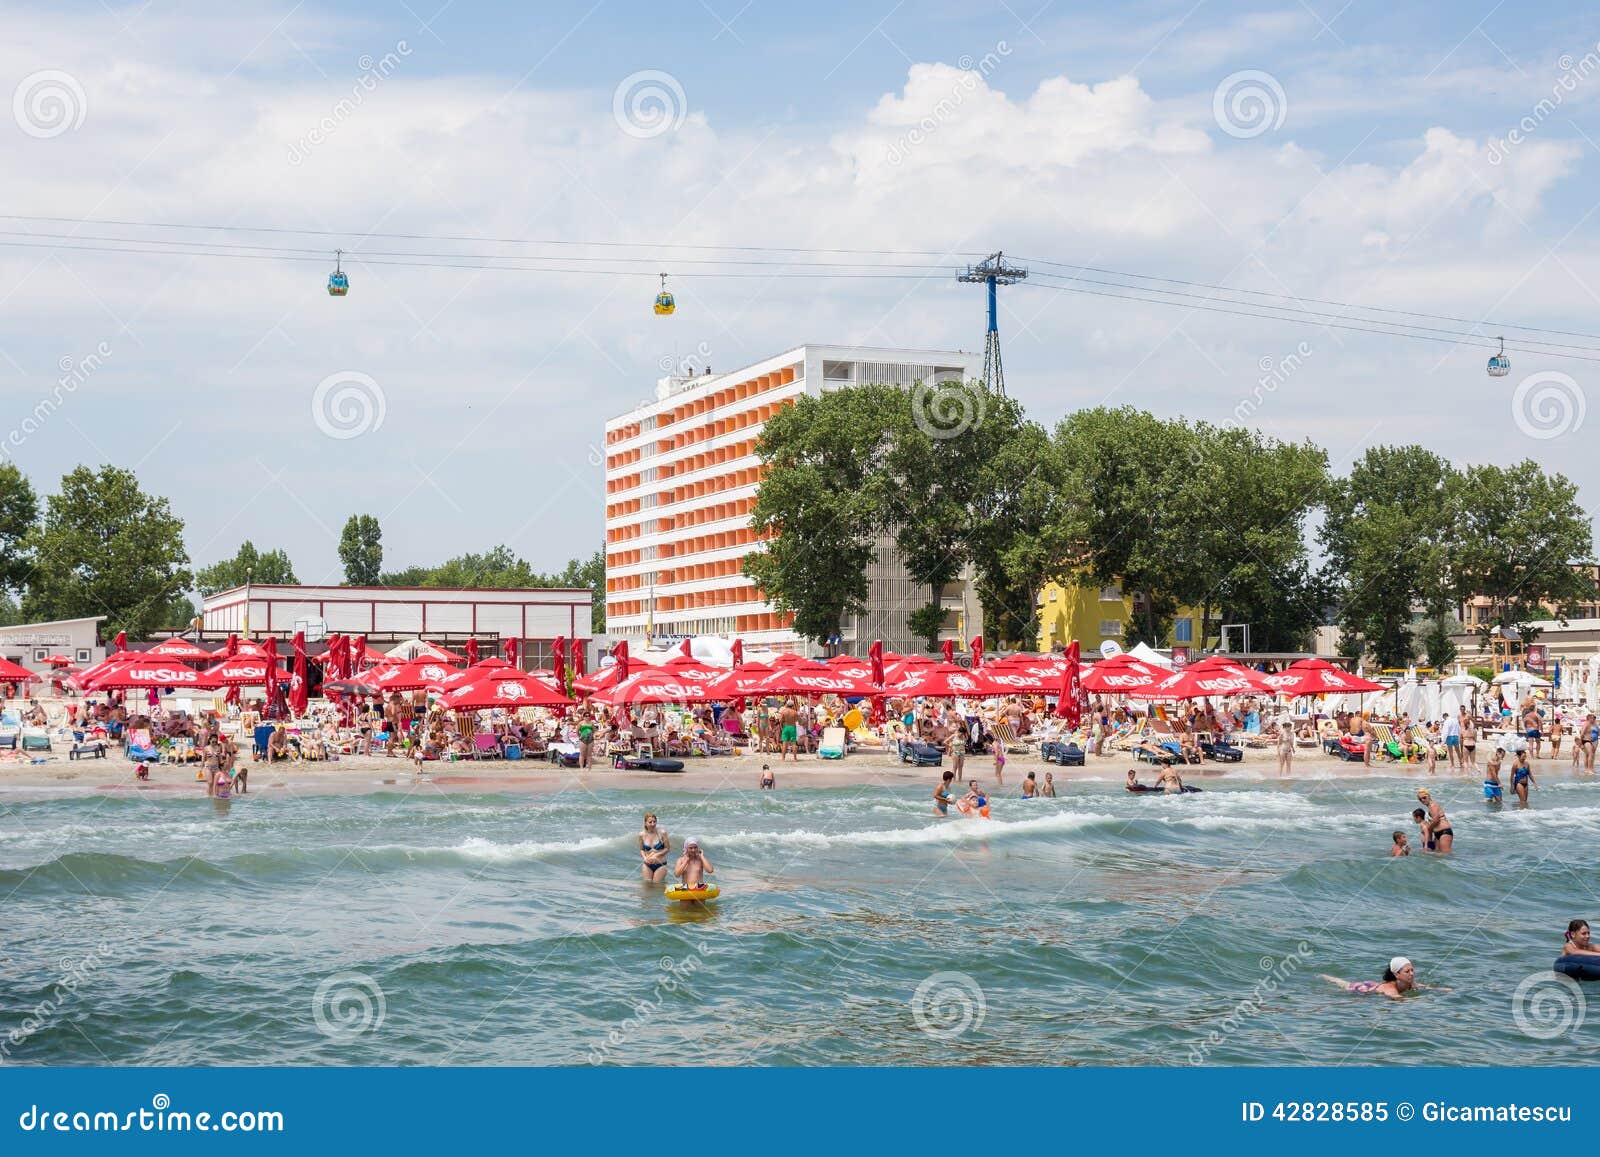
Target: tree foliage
(19, 512)
(272, 568)
(501, 568)
(361, 550)
(104, 547)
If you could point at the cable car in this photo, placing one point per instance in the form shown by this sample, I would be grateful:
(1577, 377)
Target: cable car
(1499, 364)
(338, 283)
(664, 302)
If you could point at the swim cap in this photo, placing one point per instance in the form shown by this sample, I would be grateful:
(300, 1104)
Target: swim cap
(691, 842)
(1398, 963)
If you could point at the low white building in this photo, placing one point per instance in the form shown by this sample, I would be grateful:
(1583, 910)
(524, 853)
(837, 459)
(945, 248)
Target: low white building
(31, 643)
(536, 616)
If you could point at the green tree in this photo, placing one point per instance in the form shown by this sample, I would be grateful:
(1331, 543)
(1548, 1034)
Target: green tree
(1517, 533)
(1437, 644)
(361, 550)
(272, 568)
(925, 623)
(1386, 533)
(823, 500)
(1245, 504)
(19, 512)
(104, 547)
(590, 574)
(501, 568)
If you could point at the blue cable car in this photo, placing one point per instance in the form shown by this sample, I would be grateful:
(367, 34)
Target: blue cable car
(664, 302)
(1499, 364)
(338, 283)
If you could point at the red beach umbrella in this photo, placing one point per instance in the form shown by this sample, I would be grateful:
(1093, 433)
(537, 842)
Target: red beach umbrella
(1070, 703)
(58, 661)
(472, 651)
(1319, 677)
(662, 685)
(942, 680)
(511, 652)
(299, 692)
(509, 691)
(558, 659)
(15, 673)
(420, 674)
(141, 672)
(242, 671)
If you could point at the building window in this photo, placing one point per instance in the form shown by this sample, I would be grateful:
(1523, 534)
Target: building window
(1111, 594)
(1053, 594)
(85, 656)
(1111, 628)
(1183, 631)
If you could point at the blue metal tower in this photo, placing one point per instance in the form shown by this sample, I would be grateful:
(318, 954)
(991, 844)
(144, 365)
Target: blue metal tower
(993, 271)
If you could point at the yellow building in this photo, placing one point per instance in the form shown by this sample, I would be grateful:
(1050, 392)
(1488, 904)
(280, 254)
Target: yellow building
(1093, 616)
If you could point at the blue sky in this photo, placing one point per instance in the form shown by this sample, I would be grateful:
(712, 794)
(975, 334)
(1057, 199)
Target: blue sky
(1077, 133)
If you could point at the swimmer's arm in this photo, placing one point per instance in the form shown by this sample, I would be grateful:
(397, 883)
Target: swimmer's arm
(1344, 984)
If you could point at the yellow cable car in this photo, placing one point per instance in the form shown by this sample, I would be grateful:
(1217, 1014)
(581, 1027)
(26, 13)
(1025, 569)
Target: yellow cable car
(664, 302)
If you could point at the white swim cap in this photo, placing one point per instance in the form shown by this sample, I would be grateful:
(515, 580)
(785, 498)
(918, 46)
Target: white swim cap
(691, 842)
(1398, 963)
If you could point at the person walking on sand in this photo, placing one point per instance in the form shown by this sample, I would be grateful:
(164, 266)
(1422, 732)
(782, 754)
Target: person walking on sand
(1369, 740)
(1285, 746)
(585, 740)
(958, 748)
(1469, 742)
(788, 731)
(1451, 731)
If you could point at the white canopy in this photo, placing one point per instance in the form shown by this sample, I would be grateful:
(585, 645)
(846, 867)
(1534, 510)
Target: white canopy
(1521, 678)
(1146, 654)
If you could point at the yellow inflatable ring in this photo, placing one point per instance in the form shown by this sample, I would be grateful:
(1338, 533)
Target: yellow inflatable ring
(690, 895)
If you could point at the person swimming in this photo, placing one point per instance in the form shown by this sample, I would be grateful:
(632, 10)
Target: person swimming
(1398, 979)
(1444, 836)
(1030, 787)
(975, 802)
(1424, 828)
(941, 794)
(654, 845)
(1401, 847)
(692, 867)
(1577, 942)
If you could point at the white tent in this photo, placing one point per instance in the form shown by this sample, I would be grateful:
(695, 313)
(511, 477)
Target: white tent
(412, 648)
(1521, 679)
(1458, 691)
(1146, 654)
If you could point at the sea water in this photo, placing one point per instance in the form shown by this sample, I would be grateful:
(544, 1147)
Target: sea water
(855, 927)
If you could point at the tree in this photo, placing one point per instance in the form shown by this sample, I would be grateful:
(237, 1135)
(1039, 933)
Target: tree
(272, 568)
(19, 512)
(104, 547)
(1251, 563)
(502, 568)
(361, 550)
(1517, 533)
(1386, 533)
(925, 623)
(823, 505)
(1437, 644)
(589, 573)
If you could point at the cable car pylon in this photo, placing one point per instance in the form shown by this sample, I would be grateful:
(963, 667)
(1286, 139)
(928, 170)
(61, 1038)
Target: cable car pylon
(993, 271)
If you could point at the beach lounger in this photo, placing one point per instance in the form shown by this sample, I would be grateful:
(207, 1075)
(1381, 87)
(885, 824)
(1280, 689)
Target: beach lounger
(141, 748)
(35, 739)
(833, 743)
(920, 754)
(1062, 752)
(1004, 733)
(1218, 749)
(8, 739)
(484, 746)
(564, 754)
(1386, 740)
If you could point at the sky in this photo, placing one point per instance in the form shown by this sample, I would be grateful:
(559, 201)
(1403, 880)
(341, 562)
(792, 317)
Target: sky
(1341, 151)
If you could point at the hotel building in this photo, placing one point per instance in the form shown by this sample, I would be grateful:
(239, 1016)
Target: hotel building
(681, 478)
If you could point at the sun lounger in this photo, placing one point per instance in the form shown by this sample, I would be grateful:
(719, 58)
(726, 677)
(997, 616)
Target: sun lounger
(141, 748)
(833, 743)
(919, 754)
(1005, 733)
(1386, 739)
(484, 746)
(8, 739)
(564, 754)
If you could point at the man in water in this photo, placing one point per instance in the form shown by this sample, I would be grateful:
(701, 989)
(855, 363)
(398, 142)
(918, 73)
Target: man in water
(692, 867)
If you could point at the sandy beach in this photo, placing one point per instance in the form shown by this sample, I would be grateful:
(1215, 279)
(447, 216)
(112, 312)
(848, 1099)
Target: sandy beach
(357, 774)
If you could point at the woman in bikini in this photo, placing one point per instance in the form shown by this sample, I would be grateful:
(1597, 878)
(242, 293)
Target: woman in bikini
(1522, 778)
(1444, 836)
(654, 847)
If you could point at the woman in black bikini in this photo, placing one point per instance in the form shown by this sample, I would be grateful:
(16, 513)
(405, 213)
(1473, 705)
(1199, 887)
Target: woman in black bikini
(1444, 836)
(654, 845)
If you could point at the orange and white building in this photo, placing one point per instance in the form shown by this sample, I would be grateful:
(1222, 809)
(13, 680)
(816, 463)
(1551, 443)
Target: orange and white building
(681, 478)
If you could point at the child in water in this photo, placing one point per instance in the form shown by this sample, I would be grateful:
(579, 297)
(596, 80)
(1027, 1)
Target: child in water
(1030, 789)
(1048, 791)
(1425, 827)
(1401, 847)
